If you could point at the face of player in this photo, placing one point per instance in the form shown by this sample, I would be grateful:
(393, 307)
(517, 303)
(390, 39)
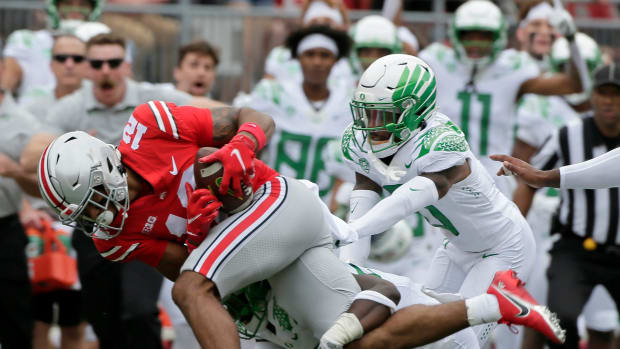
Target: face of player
(74, 9)
(69, 61)
(537, 37)
(606, 104)
(477, 43)
(316, 64)
(367, 55)
(108, 71)
(380, 118)
(196, 74)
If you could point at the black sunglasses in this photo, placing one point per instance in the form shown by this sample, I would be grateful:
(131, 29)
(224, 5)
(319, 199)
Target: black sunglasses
(98, 63)
(63, 58)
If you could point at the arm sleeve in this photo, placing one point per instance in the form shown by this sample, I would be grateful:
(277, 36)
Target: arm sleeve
(598, 173)
(360, 202)
(409, 198)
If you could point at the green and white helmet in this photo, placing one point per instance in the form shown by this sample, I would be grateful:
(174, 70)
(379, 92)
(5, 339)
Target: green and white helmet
(54, 17)
(590, 52)
(478, 15)
(392, 99)
(376, 32)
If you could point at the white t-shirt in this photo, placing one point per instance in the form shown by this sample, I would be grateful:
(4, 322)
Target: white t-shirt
(32, 50)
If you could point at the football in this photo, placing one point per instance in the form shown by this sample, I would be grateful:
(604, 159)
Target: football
(209, 176)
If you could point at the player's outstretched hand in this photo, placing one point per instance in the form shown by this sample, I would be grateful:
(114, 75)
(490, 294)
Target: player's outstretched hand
(237, 159)
(562, 21)
(202, 209)
(522, 169)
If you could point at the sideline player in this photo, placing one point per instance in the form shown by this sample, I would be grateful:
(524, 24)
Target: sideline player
(400, 143)
(92, 184)
(479, 82)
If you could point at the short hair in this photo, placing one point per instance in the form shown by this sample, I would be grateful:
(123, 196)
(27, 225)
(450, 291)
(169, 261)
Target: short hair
(526, 6)
(342, 39)
(200, 47)
(106, 39)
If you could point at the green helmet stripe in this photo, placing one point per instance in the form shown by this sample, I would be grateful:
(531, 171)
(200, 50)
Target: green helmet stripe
(423, 81)
(429, 89)
(404, 77)
(413, 81)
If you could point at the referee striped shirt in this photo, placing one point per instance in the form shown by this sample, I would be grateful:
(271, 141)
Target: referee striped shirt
(584, 212)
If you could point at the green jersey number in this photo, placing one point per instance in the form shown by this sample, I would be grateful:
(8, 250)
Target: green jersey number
(300, 166)
(485, 100)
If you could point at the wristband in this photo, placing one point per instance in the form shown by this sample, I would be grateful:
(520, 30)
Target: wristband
(255, 130)
(377, 298)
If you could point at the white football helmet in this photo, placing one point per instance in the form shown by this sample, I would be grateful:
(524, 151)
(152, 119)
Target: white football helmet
(73, 169)
(590, 52)
(392, 99)
(478, 15)
(374, 32)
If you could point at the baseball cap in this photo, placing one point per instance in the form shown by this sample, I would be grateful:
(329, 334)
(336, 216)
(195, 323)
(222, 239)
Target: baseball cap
(608, 74)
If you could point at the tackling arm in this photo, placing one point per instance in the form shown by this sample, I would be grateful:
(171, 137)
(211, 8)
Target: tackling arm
(411, 197)
(364, 196)
(598, 173)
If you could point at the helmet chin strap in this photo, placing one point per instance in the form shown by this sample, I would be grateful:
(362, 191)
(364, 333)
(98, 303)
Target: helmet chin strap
(105, 218)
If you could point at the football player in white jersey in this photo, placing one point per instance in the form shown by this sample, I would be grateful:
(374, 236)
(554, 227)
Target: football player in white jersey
(479, 83)
(400, 143)
(310, 113)
(280, 63)
(28, 52)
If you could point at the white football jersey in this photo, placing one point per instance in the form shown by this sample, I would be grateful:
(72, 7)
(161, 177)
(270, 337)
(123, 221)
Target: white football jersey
(32, 50)
(299, 146)
(283, 67)
(485, 108)
(473, 215)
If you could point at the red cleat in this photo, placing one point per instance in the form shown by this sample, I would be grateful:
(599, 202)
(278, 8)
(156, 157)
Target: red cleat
(518, 307)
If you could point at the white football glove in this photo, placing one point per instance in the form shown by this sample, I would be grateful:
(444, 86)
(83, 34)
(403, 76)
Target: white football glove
(563, 22)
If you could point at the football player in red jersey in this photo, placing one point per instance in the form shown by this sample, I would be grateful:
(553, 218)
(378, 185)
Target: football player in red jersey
(93, 185)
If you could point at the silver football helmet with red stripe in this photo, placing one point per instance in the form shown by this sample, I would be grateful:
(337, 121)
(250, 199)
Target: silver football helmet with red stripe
(77, 170)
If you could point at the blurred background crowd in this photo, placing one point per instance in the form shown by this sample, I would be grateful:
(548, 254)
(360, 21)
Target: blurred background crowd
(193, 52)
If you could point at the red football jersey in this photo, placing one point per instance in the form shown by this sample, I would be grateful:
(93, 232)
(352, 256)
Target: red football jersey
(159, 143)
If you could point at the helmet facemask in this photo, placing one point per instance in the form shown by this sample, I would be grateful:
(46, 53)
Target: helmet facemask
(78, 170)
(396, 94)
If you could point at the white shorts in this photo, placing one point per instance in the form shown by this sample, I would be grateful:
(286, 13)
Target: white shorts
(284, 220)
(470, 274)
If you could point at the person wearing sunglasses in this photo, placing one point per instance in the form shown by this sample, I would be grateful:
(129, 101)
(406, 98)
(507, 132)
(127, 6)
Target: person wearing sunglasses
(69, 68)
(28, 52)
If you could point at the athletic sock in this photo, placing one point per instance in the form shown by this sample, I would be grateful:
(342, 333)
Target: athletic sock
(482, 309)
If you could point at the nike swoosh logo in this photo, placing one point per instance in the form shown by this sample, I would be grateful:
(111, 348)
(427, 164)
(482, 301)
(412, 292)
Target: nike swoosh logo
(354, 207)
(238, 155)
(174, 171)
(409, 164)
(524, 309)
(489, 255)
(413, 189)
(191, 220)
